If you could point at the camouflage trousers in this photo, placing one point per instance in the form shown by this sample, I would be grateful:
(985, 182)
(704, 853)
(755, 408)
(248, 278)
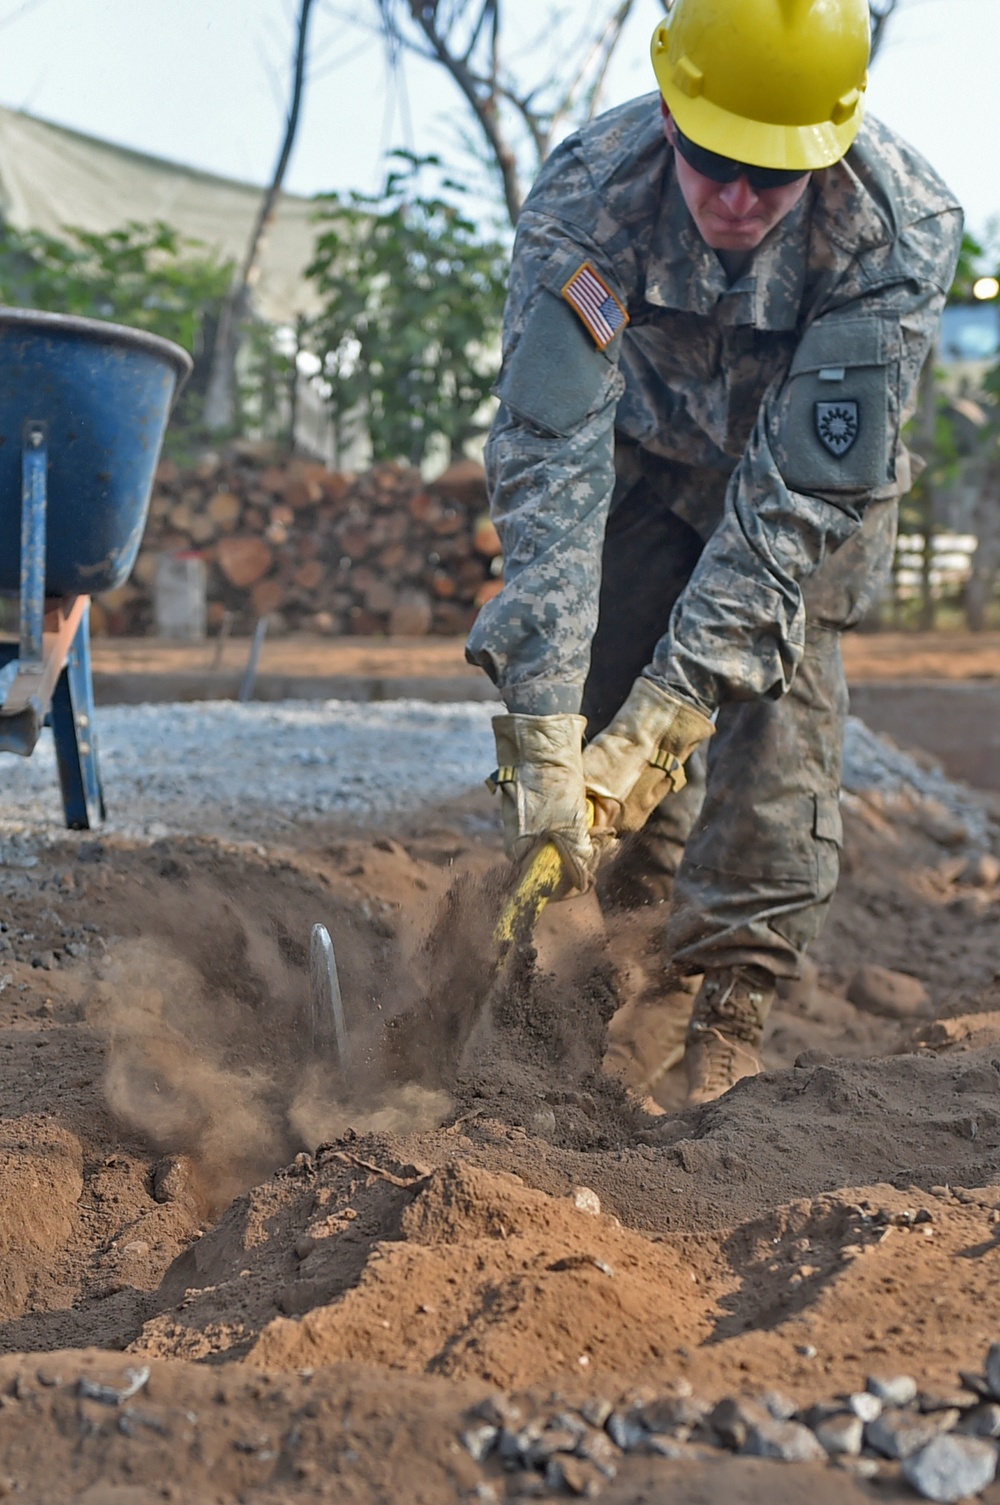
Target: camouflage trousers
(757, 833)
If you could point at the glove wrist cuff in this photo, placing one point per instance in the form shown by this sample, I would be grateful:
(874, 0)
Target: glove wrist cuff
(658, 721)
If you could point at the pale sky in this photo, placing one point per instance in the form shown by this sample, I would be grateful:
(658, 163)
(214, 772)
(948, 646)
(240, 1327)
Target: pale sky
(204, 81)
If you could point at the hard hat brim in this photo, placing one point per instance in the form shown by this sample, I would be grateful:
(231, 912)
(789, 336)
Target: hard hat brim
(802, 148)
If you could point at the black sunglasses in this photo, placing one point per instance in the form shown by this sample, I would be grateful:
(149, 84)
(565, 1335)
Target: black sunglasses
(726, 169)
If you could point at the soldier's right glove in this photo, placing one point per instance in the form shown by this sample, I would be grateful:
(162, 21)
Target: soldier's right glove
(639, 758)
(540, 779)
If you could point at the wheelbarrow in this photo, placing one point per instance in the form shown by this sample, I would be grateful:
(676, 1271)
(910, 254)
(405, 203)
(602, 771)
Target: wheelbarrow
(83, 409)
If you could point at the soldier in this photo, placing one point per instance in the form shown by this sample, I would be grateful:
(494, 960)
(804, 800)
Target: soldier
(721, 300)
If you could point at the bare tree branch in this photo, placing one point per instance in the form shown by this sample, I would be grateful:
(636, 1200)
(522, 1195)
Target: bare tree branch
(518, 116)
(220, 397)
(596, 63)
(881, 12)
(478, 87)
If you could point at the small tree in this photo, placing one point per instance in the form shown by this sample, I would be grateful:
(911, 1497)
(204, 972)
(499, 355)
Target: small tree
(413, 293)
(145, 276)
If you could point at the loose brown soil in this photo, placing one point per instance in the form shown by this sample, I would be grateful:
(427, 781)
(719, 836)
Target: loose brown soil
(322, 1277)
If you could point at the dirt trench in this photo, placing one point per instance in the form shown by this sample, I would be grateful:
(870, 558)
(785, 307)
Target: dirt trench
(322, 1280)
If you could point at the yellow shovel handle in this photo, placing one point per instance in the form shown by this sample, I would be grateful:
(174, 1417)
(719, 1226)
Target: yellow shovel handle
(541, 878)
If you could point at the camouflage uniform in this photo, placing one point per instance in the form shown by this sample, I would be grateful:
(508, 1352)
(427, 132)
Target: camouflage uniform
(735, 455)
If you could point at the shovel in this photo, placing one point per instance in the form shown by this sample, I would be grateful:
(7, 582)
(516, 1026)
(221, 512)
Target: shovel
(540, 882)
(328, 1031)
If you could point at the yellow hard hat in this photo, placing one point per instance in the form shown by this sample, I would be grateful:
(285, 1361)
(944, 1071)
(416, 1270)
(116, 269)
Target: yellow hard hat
(775, 83)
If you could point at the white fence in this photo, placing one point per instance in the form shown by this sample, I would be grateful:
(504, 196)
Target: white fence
(951, 563)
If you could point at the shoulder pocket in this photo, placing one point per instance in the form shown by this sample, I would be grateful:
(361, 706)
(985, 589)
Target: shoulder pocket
(832, 425)
(556, 374)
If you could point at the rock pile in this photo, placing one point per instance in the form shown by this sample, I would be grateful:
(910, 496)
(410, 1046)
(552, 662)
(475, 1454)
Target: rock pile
(943, 1445)
(910, 788)
(318, 550)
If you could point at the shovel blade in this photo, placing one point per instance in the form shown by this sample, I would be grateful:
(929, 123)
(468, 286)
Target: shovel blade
(327, 1027)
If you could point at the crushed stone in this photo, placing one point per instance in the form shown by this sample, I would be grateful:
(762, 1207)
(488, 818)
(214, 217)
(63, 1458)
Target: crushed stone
(223, 768)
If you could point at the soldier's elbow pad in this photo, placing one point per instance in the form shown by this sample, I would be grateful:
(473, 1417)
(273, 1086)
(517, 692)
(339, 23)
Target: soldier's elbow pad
(556, 376)
(830, 431)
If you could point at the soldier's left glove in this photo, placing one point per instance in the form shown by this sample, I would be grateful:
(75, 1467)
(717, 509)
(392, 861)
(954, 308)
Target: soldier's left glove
(639, 758)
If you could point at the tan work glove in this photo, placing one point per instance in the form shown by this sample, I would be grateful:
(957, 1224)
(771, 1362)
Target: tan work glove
(540, 779)
(639, 758)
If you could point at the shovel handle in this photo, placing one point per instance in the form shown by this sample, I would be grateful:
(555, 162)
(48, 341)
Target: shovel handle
(539, 882)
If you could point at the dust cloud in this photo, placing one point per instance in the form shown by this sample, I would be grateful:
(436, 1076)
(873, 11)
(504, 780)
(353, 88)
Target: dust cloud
(201, 1072)
(210, 1050)
(317, 1116)
(173, 1076)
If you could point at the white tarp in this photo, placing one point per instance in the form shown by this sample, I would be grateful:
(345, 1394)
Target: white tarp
(51, 177)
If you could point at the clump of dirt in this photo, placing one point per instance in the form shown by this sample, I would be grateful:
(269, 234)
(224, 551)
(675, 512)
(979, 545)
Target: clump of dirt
(541, 1045)
(41, 1178)
(502, 1034)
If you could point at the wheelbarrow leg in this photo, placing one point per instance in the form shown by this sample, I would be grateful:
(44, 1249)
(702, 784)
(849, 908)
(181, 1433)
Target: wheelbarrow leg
(22, 693)
(34, 505)
(76, 737)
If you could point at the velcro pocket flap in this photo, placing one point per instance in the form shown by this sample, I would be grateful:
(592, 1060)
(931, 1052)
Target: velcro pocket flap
(556, 374)
(842, 342)
(833, 417)
(828, 823)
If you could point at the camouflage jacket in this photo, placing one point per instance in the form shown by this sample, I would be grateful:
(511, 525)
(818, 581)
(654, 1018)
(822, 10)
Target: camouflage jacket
(795, 381)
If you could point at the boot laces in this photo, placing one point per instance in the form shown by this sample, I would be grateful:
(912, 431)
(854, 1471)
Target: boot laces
(722, 1061)
(716, 1063)
(732, 1006)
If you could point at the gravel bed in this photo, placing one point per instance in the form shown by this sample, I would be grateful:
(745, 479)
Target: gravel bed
(252, 770)
(873, 763)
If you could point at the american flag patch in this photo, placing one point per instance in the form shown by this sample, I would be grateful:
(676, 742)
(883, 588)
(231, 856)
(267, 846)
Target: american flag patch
(596, 304)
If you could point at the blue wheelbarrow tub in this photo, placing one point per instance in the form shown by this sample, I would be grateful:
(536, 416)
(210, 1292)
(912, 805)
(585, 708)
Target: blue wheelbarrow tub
(104, 393)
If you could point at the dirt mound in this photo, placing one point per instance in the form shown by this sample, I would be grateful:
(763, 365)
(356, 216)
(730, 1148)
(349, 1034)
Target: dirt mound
(489, 1279)
(455, 1271)
(414, 1237)
(473, 1274)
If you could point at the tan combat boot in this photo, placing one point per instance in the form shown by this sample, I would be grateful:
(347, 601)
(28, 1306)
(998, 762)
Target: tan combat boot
(727, 1025)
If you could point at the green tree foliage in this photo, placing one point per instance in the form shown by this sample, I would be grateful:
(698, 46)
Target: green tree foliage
(956, 431)
(145, 276)
(969, 268)
(408, 339)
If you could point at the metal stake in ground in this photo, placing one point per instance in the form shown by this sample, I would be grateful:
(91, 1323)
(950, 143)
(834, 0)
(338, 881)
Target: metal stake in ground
(250, 672)
(328, 1030)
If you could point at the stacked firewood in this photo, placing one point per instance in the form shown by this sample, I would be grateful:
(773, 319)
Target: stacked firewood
(317, 550)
